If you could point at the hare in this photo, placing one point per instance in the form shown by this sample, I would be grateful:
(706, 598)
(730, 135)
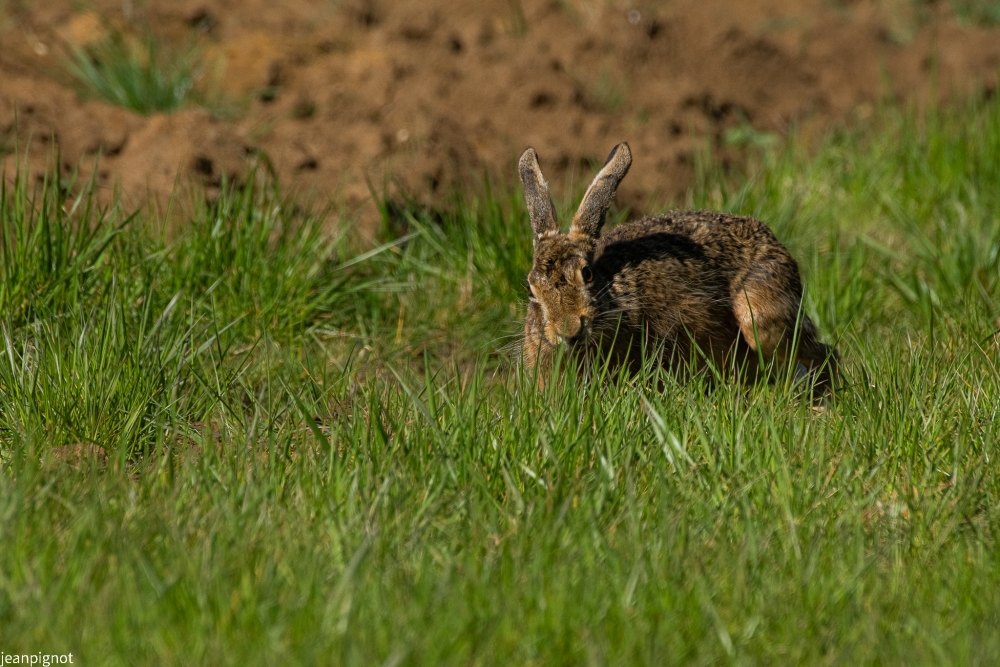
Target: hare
(690, 287)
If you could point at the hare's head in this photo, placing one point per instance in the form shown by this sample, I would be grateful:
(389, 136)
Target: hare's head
(562, 281)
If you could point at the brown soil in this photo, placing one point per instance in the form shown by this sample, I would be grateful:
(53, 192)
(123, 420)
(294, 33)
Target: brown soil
(425, 96)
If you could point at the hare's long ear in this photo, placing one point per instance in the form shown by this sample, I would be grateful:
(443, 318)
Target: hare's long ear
(589, 217)
(536, 194)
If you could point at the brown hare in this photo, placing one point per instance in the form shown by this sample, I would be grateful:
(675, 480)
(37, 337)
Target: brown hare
(691, 287)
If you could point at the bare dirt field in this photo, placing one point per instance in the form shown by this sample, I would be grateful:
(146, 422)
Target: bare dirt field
(420, 97)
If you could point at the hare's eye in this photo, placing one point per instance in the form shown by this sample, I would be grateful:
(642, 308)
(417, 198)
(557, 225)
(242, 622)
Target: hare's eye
(587, 274)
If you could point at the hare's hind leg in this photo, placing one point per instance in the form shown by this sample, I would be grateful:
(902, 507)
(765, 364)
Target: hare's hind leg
(767, 306)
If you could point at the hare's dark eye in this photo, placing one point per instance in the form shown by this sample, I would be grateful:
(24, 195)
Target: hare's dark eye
(587, 274)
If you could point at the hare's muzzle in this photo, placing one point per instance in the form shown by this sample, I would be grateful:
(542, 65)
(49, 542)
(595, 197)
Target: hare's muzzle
(572, 330)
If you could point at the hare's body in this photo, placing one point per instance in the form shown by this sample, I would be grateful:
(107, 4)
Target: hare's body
(688, 286)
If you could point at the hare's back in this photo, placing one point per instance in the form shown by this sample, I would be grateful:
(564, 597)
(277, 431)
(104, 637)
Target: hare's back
(708, 228)
(698, 240)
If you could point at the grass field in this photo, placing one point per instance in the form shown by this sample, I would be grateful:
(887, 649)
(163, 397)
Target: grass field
(249, 442)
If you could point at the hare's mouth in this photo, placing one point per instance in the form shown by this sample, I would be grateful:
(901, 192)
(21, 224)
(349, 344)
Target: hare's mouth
(561, 340)
(574, 341)
(579, 335)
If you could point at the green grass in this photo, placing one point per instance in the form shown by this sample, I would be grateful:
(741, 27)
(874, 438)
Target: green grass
(322, 456)
(139, 73)
(977, 12)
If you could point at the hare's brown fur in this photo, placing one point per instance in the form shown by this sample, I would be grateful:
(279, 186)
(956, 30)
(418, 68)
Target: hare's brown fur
(691, 285)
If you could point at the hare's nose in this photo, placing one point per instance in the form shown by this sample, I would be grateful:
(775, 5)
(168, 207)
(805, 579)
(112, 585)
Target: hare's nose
(578, 334)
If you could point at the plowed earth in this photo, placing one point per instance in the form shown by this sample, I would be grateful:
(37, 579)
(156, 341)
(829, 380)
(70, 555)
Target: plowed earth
(422, 97)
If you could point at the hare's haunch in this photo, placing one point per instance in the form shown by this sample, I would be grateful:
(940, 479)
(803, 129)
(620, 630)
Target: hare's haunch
(691, 285)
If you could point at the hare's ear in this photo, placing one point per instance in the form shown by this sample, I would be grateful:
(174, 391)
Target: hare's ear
(536, 195)
(589, 217)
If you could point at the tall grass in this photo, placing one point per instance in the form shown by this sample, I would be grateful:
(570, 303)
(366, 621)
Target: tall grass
(139, 73)
(325, 461)
(116, 337)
